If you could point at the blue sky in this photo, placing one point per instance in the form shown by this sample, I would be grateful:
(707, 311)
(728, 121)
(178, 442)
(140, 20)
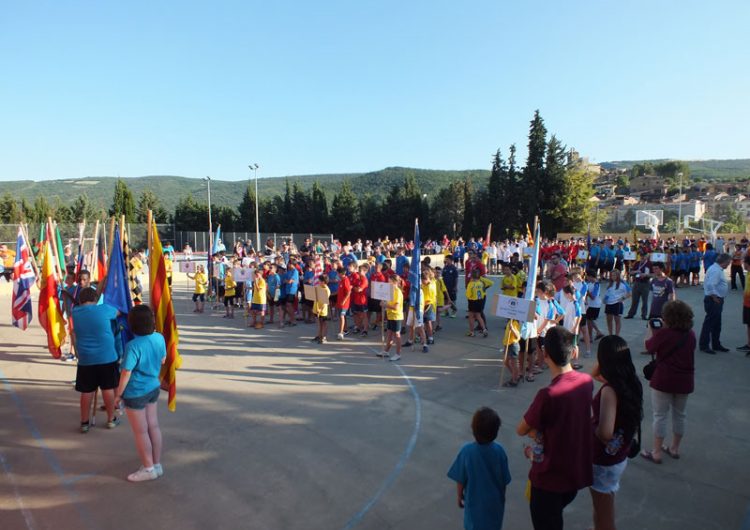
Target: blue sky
(204, 88)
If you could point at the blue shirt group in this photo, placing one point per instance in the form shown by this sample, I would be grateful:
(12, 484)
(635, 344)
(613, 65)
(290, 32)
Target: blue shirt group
(143, 358)
(483, 471)
(95, 338)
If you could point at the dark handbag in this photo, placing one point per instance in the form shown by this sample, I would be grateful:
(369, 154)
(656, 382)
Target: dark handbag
(650, 368)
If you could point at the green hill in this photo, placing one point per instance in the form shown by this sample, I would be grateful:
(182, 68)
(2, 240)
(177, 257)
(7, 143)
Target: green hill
(171, 189)
(720, 170)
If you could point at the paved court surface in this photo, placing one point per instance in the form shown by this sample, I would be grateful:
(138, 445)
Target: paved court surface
(273, 432)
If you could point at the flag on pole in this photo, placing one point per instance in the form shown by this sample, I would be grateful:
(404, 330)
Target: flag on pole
(101, 260)
(23, 279)
(117, 293)
(50, 316)
(529, 237)
(317, 269)
(161, 304)
(533, 266)
(60, 249)
(212, 251)
(135, 285)
(415, 275)
(487, 240)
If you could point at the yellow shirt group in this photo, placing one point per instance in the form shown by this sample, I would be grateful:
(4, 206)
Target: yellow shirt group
(200, 283)
(229, 285)
(510, 285)
(429, 294)
(477, 289)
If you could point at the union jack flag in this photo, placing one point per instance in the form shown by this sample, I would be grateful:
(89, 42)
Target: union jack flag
(23, 279)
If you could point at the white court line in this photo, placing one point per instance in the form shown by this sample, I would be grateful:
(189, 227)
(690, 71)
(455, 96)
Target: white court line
(401, 464)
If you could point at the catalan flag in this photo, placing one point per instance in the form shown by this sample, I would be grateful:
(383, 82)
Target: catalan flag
(161, 304)
(50, 316)
(529, 237)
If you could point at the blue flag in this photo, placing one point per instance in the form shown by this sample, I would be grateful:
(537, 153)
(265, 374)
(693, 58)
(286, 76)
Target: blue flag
(117, 293)
(415, 275)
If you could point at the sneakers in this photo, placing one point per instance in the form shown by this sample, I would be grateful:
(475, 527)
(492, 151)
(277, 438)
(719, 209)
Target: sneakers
(143, 475)
(438, 328)
(395, 357)
(315, 339)
(470, 334)
(323, 340)
(407, 344)
(85, 426)
(340, 336)
(430, 340)
(114, 422)
(746, 347)
(485, 333)
(159, 470)
(363, 334)
(425, 349)
(382, 353)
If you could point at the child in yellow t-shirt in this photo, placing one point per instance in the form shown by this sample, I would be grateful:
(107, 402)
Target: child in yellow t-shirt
(394, 313)
(320, 309)
(509, 284)
(230, 287)
(258, 302)
(476, 294)
(443, 298)
(512, 344)
(199, 294)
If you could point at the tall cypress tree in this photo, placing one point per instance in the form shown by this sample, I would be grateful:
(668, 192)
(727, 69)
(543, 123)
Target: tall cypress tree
(319, 210)
(532, 191)
(246, 209)
(287, 213)
(551, 216)
(344, 211)
(123, 202)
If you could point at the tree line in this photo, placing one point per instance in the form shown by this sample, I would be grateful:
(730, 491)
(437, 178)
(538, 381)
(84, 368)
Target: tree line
(553, 184)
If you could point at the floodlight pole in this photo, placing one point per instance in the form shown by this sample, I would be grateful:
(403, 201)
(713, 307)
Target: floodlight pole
(679, 209)
(254, 168)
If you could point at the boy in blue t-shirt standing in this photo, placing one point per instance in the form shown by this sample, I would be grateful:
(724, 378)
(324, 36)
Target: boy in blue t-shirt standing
(481, 473)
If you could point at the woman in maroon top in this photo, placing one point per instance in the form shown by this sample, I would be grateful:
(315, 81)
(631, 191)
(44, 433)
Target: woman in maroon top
(618, 409)
(674, 376)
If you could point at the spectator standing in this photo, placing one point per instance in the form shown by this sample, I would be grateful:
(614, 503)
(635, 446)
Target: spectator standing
(715, 289)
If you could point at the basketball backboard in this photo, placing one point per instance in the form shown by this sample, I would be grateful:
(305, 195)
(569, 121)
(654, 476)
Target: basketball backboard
(649, 218)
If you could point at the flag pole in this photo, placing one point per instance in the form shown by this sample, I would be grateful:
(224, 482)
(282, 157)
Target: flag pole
(111, 239)
(94, 248)
(149, 220)
(53, 247)
(25, 236)
(505, 358)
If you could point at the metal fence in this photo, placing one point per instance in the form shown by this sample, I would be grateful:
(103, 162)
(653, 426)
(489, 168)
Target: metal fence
(199, 241)
(70, 232)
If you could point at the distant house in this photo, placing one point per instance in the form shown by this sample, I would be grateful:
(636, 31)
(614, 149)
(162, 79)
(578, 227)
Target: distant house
(652, 184)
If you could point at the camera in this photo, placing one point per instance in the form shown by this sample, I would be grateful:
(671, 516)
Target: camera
(655, 323)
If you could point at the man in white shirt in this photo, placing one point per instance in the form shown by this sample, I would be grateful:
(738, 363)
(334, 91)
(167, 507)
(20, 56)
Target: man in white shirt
(715, 289)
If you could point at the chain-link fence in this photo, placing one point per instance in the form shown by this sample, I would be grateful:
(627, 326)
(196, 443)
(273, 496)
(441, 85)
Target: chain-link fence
(71, 232)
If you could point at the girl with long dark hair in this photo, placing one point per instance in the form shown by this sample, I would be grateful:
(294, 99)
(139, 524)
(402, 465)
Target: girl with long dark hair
(618, 409)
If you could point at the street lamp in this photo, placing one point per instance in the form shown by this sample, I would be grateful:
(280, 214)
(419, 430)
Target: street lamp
(254, 168)
(210, 237)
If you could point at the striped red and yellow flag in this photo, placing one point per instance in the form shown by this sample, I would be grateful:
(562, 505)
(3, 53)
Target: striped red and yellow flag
(50, 316)
(161, 304)
(529, 236)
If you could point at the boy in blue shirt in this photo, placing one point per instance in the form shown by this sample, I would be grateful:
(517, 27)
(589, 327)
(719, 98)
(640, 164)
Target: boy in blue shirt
(481, 473)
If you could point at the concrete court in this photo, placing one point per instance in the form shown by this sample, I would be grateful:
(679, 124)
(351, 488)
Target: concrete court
(273, 432)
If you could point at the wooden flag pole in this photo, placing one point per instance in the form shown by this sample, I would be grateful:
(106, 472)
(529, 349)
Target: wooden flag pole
(122, 231)
(25, 235)
(53, 246)
(94, 248)
(111, 240)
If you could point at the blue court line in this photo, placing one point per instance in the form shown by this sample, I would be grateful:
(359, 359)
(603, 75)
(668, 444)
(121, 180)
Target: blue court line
(401, 464)
(49, 455)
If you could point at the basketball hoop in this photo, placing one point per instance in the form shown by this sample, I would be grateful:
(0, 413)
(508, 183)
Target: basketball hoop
(651, 220)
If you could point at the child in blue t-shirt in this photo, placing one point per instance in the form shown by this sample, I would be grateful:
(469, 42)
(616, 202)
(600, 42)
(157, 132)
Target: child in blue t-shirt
(481, 473)
(139, 390)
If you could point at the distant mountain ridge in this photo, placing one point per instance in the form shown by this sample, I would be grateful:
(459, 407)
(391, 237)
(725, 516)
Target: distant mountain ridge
(171, 189)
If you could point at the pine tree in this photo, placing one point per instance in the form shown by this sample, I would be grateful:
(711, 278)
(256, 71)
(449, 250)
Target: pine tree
(10, 212)
(287, 212)
(149, 201)
(41, 210)
(123, 202)
(344, 212)
(516, 222)
(83, 209)
(319, 219)
(467, 225)
(551, 216)
(301, 203)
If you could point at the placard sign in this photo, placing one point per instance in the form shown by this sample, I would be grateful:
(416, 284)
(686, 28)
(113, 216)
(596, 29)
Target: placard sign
(629, 255)
(515, 308)
(242, 275)
(315, 293)
(381, 291)
(582, 254)
(657, 257)
(187, 266)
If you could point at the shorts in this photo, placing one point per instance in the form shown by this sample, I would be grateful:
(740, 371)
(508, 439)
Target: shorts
(514, 349)
(695, 270)
(613, 309)
(140, 402)
(607, 478)
(394, 325)
(307, 303)
(228, 300)
(619, 265)
(373, 306)
(410, 319)
(429, 314)
(359, 308)
(332, 300)
(201, 297)
(592, 313)
(476, 306)
(583, 318)
(746, 315)
(290, 298)
(523, 346)
(258, 307)
(93, 376)
(343, 311)
(272, 302)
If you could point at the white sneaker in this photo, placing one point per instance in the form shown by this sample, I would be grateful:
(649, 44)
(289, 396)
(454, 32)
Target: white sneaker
(382, 354)
(159, 470)
(394, 357)
(143, 475)
(340, 336)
